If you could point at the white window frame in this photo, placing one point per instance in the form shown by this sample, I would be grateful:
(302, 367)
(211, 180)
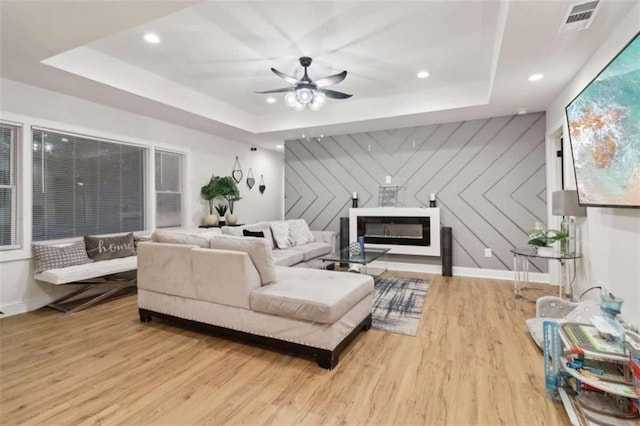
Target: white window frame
(15, 187)
(182, 186)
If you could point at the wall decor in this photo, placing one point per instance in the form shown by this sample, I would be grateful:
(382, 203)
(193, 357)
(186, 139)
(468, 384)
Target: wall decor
(262, 186)
(250, 180)
(237, 171)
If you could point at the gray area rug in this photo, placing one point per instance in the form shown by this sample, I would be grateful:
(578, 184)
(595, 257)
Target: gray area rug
(398, 303)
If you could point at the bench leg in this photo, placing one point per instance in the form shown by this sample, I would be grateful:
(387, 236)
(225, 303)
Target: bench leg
(56, 304)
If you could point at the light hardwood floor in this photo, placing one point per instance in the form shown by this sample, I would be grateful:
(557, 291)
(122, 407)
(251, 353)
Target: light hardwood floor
(471, 363)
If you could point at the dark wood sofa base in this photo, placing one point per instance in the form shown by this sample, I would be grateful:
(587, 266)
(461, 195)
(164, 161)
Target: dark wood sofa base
(325, 358)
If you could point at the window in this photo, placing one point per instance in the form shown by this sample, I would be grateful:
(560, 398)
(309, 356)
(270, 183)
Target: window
(84, 186)
(168, 189)
(8, 185)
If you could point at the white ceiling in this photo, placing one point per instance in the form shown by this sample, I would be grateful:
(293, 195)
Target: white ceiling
(214, 55)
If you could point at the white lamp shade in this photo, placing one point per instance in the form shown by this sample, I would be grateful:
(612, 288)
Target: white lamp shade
(290, 99)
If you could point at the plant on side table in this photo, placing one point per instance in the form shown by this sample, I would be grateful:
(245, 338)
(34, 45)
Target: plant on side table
(225, 186)
(221, 209)
(542, 239)
(208, 192)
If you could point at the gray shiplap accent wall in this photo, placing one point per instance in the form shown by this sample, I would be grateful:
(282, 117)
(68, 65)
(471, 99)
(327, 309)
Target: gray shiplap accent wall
(488, 176)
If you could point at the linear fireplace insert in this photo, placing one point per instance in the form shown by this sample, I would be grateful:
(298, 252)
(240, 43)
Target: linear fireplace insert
(395, 230)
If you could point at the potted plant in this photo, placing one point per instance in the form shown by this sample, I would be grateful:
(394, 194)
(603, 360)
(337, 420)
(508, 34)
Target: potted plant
(221, 209)
(542, 239)
(226, 187)
(208, 192)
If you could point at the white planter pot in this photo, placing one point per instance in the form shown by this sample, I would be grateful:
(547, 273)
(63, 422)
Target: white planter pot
(545, 251)
(210, 219)
(231, 218)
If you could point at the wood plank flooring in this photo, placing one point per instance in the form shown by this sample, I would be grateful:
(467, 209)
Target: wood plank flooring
(471, 363)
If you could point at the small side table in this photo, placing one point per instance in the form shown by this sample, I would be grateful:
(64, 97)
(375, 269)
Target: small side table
(521, 258)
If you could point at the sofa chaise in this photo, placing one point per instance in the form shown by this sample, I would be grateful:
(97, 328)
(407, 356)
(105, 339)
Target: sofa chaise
(234, 287)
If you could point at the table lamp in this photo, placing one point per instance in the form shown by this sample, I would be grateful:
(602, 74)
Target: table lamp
(565, 203)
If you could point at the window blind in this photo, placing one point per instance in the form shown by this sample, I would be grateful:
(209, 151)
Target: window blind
(85, 186)
(8, 185)
(168, 175)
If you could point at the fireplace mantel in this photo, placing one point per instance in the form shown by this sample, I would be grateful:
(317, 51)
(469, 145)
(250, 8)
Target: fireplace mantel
(433, 213)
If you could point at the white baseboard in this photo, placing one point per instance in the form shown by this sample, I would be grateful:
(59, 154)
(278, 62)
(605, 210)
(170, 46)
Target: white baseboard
(458, 271)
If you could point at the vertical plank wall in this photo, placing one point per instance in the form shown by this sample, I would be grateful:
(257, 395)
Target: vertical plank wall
(488, 176)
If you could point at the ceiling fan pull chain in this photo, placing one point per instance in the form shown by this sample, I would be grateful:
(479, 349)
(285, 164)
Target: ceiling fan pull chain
(237, 171)
(250, 180)
(262, 186)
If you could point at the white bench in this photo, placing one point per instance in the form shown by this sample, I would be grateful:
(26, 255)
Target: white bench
(90, 275)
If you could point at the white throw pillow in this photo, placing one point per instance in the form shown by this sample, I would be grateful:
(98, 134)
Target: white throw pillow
(258, 249)
(280, 231)
(265, 229)
(299, 232)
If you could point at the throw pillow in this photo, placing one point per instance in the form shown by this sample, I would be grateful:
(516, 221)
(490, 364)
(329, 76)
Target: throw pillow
(281, 236)
(299, 232)
(113, 247)
(259, 252)
(174, 237)
(257, 234)
(266, 230)
(53, 257)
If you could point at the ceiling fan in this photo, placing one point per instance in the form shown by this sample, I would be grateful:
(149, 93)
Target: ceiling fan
(306, 91)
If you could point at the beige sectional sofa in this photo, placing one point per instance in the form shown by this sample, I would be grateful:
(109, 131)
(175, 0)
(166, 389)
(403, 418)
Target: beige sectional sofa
(233, 285)
(294, 253)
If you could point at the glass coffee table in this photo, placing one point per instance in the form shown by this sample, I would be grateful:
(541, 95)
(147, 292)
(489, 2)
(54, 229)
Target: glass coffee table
(355, 262)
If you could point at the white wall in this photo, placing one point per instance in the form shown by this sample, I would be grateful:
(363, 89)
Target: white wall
(610, 237)
(206, 154)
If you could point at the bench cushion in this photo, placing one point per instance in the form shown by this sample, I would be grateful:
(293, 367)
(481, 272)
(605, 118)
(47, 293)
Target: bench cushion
(87, 271)
(311, 295)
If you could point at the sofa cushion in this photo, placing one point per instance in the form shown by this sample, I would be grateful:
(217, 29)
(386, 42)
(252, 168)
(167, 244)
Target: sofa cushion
(177, 237)
(237, 231)
(299, 232)
(312, 250)
(280, 231)
(311, 294)
(258, 250)
(288, 257)
(257, 234)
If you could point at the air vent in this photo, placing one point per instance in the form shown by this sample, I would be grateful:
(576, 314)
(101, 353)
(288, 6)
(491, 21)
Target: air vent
(579, 16)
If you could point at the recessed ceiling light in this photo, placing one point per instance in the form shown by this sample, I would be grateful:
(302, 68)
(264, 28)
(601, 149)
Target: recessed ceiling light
(535, 77)
(523, 111)
(279, 146)
(423, 74)
(271, 100)
(152, 38)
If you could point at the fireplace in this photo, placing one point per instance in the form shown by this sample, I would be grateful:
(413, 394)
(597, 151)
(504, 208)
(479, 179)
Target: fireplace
(403, 230)
(395, 230)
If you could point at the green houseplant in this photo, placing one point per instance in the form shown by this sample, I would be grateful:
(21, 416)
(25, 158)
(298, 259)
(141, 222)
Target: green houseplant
(225, 186)
(542, 239)
(208, 192)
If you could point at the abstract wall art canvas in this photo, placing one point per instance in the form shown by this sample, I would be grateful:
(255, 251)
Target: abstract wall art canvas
(604, 131)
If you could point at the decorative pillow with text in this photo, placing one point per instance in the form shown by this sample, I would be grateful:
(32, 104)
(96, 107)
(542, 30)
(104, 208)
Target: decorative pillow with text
(113, 247)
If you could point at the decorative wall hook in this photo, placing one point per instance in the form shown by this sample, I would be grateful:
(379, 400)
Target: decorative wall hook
(237, 171)
(262, 186)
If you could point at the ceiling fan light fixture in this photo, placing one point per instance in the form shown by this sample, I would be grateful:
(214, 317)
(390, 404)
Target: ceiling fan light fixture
(304, 95)
(319, 99)
(299, 106)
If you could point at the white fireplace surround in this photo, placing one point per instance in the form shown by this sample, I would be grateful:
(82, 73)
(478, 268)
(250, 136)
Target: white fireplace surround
(433, 213)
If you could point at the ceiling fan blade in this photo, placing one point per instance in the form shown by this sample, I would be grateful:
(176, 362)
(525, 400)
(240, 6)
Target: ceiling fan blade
(286, 89)
(287, 78)
(332, 79)
(334, 94)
